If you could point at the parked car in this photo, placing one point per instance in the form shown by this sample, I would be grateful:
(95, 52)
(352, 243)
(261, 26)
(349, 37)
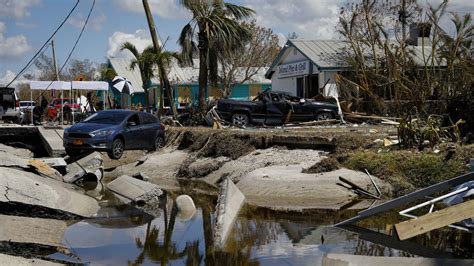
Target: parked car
(114, 131)
(273, 108)
(57, 103)
(27, 105)
(9, 104)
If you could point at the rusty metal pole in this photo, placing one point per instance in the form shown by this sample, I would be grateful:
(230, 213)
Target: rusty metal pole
(154, 38)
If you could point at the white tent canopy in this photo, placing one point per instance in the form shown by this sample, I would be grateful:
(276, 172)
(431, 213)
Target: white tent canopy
(90, 85)
(68, 85)
(55, 85)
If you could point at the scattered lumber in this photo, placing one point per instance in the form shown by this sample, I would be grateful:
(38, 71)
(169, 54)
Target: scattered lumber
(435, 220)
(357, 189)
(313, 123)
(362, 117)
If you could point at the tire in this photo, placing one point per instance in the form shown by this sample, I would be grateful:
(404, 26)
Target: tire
(324, 116)
(240, 119)
(159, 143)
(117, 149)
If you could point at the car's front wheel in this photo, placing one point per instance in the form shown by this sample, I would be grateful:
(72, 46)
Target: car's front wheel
(240, 119)
(117, 149)
(324, 116)
(159, 143)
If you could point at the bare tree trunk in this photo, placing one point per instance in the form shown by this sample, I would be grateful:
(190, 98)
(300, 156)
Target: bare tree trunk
(160, 99)
(203, 69)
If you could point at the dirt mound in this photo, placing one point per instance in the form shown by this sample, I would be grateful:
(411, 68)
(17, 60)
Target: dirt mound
(325, 165)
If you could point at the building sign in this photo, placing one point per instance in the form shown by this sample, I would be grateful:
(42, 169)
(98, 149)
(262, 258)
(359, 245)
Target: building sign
(293, 69)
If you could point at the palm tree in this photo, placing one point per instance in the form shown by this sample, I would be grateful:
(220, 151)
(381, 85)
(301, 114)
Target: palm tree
(219, 32)
(146, 62)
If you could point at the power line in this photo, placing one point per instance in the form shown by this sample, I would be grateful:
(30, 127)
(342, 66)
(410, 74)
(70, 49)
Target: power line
(46, 43)
(74, 47)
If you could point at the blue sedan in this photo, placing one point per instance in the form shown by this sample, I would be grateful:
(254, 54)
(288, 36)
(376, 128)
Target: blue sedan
(114, 131)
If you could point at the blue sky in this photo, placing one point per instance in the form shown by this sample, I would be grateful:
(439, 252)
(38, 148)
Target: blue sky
(26, 24)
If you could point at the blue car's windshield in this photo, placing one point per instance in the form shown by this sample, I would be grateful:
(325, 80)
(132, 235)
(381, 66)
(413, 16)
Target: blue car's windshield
(109, 118)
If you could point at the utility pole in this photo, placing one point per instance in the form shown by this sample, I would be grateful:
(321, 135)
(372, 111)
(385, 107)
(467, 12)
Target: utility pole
(156, 45)
(53, 93)
(151, 25)
(54, 61)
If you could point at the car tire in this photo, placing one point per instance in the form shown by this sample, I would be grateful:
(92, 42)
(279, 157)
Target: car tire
(117, 149)
(324, 116)
(240, 119)
(159, 143)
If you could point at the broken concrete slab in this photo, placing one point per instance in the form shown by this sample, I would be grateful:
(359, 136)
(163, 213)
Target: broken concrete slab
(29, 188)
(32, 230)
(160, 166)
(332, 259)
(132, 190)
(52, 140)
(228, 206)
(92, 164)
(286, 187)
(8, 260)
(10, 160)
(22, 153)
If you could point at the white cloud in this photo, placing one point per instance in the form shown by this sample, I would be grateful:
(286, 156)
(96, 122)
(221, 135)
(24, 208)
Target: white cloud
(17, 9)
(12, 46)
(7, 77)
(162, 8)
(95, 23)
(25, 25)
(141, 39)
(308, 18)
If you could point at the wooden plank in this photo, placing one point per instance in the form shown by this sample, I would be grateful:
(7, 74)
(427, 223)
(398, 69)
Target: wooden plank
(44, 169)
(419, 194)
(435, 220)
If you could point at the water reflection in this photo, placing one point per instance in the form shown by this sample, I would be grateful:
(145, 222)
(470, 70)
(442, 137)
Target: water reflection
(128, 236)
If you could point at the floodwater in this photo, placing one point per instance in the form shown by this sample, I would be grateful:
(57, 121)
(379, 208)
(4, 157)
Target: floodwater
(127, 236)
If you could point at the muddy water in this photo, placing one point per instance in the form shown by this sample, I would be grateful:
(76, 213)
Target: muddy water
(126, 236)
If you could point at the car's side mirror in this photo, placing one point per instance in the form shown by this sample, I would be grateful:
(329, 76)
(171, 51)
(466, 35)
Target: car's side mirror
(131, 123)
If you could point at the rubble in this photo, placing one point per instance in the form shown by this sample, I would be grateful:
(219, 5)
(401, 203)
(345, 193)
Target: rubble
(91, 165)
(132, 190)
(228, 206)
(19, 152)
(30, 189)
(349, 260)
(9, 260)
(10, 160)
(32, 230)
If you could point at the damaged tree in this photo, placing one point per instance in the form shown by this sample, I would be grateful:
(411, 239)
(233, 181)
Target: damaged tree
(427, 68)
(241, 65)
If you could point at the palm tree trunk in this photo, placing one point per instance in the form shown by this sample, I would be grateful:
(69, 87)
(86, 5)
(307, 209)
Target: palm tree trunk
(203, 69)
(160, 99)
(171, 98)
(147, 104)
